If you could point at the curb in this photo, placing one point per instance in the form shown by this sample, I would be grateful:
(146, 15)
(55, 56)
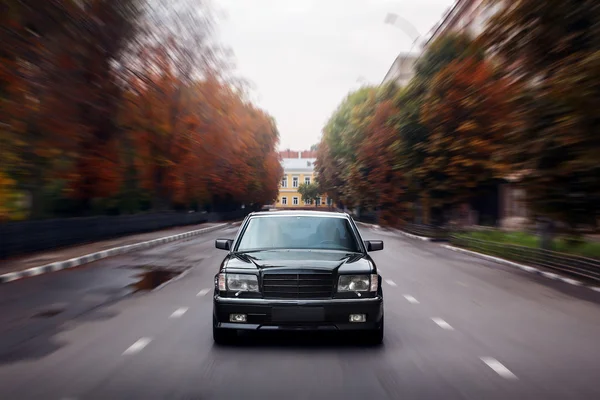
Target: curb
(368, 225)
(88, 258)
(410, 235)
(522, 267)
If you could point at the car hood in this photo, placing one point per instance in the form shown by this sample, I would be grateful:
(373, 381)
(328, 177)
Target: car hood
(300, 259)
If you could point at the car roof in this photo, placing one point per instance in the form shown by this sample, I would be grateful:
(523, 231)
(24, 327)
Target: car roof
(299, 213)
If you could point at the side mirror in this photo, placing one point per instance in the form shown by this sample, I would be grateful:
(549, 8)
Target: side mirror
(374, 245)
(223, 244)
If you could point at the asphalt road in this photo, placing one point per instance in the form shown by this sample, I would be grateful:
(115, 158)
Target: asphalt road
(457, 327)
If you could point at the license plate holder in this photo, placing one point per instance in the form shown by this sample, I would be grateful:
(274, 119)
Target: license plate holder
(298, 314)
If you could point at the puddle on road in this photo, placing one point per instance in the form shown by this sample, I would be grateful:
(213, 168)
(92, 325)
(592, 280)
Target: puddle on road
(154, 277)
(48, 313)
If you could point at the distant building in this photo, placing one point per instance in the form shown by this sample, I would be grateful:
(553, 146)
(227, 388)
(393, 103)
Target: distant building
(467, 16)
(470, 16)
(298, 168)
(402, 69)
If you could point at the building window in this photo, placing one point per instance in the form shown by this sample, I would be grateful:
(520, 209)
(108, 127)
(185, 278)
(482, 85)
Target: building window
(318, 201)
(307, 180)
(295, 201)
(284, 201)
(307, 202)
(295, 181)
(284, 182)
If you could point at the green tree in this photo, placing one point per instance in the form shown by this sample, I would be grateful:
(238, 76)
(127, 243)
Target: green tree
(309, 191)
(342, 135)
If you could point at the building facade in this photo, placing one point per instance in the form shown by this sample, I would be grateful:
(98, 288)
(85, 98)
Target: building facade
(402, 69)
(470, 16)
(298, 168)
(466, 16)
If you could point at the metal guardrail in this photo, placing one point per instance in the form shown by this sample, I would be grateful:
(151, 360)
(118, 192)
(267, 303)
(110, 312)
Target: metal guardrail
(30, 236)
(430, 231)
(577, 266)
(366, 218)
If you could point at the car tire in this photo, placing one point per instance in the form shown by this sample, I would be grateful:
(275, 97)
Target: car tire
(375, 337)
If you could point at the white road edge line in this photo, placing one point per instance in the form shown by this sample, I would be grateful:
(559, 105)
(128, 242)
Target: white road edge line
(498, 368)
(179, 312)
(203, 292)
(411, 299)
(138, 346)
(442, 324)
(526, 268)
(390, 282)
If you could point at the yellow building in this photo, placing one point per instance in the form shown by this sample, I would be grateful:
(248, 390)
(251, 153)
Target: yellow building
(298, 168)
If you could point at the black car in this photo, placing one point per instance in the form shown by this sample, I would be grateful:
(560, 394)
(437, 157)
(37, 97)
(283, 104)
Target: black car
(298, 270)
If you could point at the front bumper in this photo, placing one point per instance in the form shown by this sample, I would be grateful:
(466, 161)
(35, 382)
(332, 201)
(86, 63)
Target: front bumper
(294, 315)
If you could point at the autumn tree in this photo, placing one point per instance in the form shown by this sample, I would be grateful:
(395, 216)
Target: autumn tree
(467, 112)
(410, 102)
(112, 106)
(373, 144)
(357, 156)
(552, 47)
(381, 178)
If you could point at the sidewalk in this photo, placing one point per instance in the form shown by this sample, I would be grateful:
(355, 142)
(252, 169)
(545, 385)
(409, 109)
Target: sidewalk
(21, 263)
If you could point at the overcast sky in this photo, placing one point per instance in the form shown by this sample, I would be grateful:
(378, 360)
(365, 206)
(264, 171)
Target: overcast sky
(303, 56)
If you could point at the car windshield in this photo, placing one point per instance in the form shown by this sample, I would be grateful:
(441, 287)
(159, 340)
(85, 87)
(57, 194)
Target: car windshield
(298, 232)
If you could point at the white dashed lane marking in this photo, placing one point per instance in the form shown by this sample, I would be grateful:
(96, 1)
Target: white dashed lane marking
(411, 299)
(442, 324)
(179, 312)
(203, 292)
(137, 346)
(498, 368)
(390, 282)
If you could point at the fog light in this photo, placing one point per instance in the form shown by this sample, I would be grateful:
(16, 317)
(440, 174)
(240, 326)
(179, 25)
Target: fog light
(358, 317)
(237, 317)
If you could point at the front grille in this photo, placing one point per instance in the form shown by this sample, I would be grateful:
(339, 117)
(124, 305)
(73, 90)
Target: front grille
(314, 285)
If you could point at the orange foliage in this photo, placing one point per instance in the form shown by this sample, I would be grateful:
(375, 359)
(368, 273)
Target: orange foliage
(377, 155)
(95, 112)
(198, 139)
(468, 113)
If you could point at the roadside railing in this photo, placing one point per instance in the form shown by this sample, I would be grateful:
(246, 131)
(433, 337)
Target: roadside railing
(367, 218)
(434, 232)
(576, 266)
(30, 236)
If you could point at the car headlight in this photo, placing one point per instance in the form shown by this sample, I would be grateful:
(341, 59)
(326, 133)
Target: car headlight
(238, 282)
(357, 283)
